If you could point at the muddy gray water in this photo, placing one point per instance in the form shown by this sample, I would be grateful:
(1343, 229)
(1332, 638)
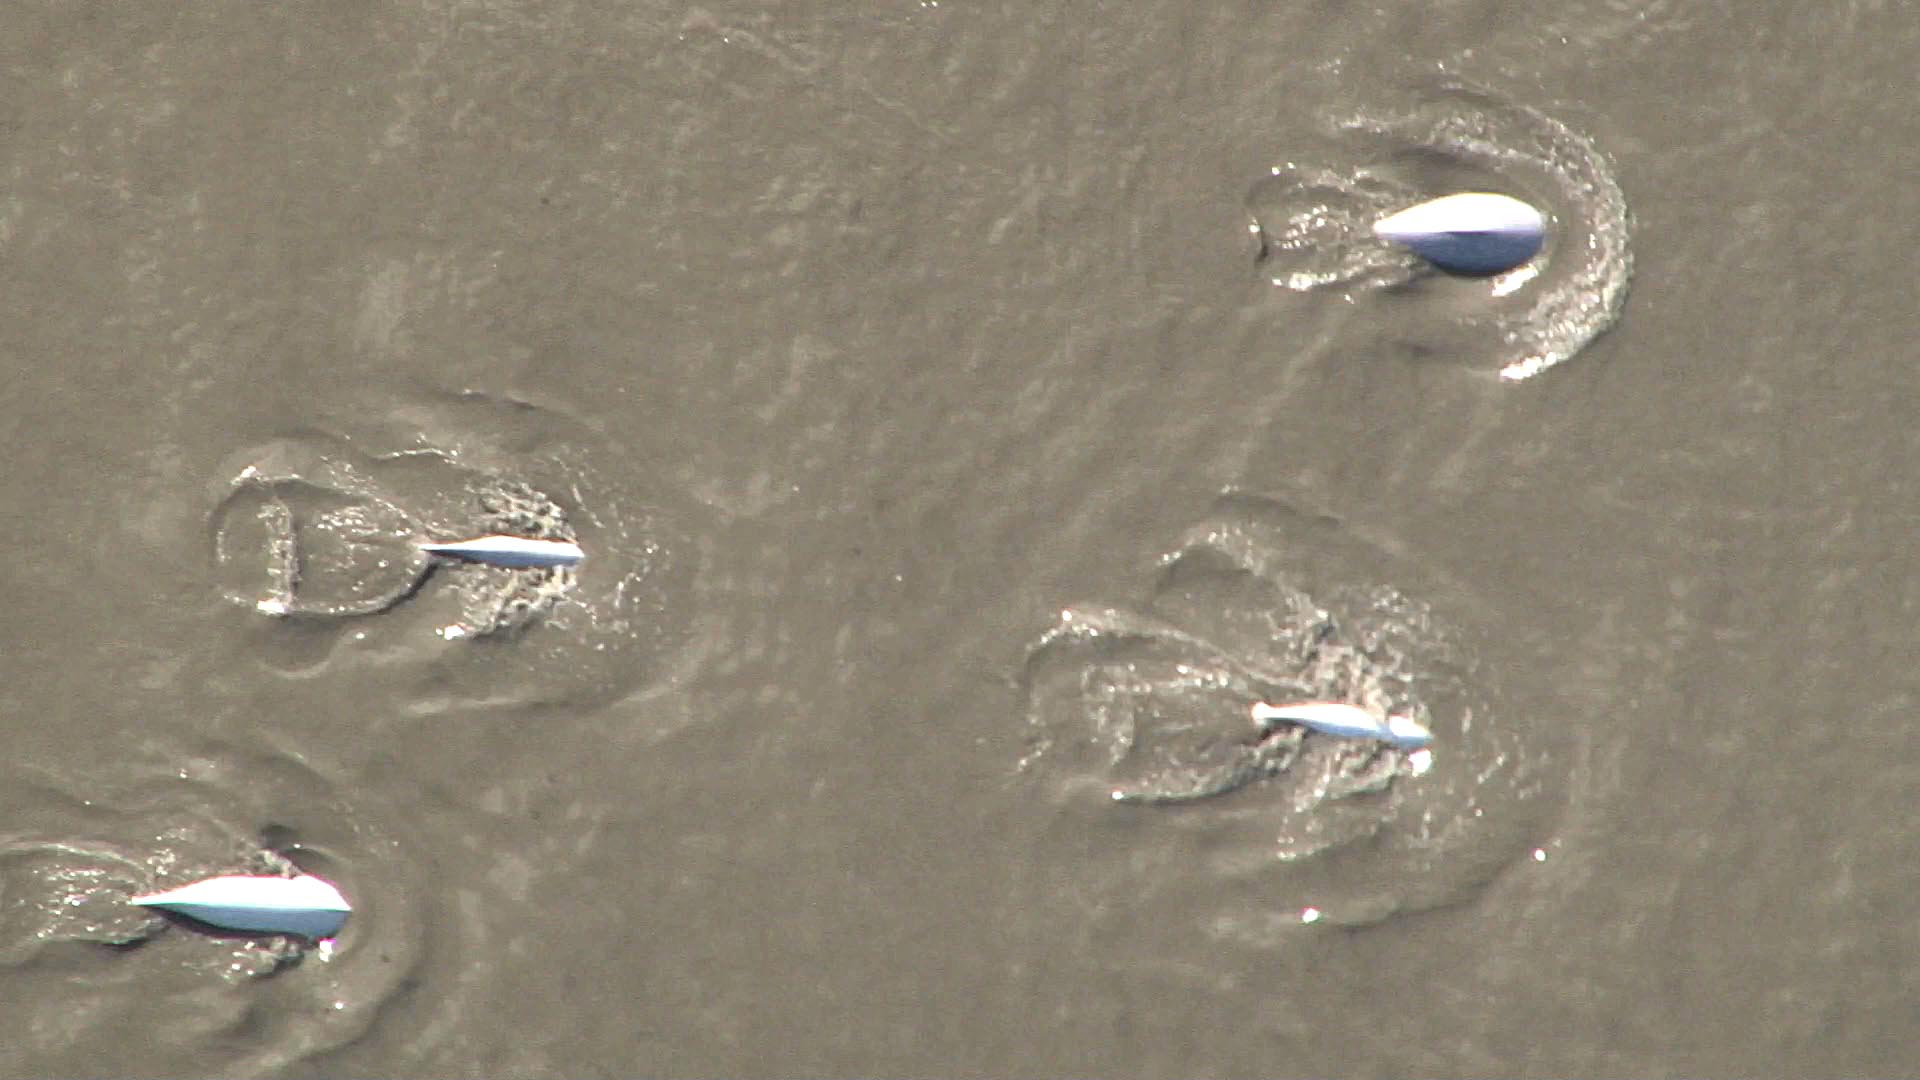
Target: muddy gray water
(954, 445)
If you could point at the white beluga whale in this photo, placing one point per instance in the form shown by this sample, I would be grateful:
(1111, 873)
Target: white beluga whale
(1342, 719)
(301, 905)
(1474, 232)
(509, 551)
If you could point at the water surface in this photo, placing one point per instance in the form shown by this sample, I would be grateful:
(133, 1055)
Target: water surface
(858, 346)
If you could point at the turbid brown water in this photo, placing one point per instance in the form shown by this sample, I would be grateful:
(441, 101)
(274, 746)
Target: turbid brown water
(859, 343)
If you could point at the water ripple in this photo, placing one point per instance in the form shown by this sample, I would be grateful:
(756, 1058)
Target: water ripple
(1313, 223)
(319, 530)
(1146, 712)
(201, 1000)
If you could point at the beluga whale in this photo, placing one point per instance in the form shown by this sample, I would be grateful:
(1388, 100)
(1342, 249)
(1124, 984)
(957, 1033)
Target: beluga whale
(1473, 232)
(1342, 719)
(302, 905)
(514, 552)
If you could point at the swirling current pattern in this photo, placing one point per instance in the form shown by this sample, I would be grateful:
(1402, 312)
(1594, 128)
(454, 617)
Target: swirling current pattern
(322, 530)
(1169, 710)
(1149, 708)
(201, 999)
(1313, 223)
(338, 545)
